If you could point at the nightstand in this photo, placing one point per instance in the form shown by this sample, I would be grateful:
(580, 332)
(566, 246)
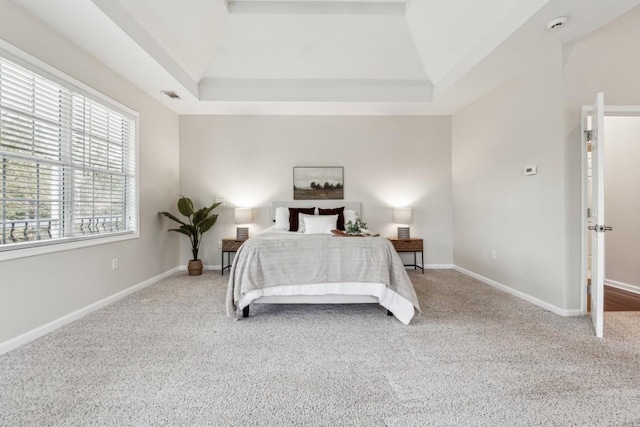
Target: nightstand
(410, 245)
(229, 246)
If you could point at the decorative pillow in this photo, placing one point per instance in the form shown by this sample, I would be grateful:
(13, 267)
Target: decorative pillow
(350, 215)
(293, 216)
(282, 218)
(301, 217)
(336, 211)
(320, 224)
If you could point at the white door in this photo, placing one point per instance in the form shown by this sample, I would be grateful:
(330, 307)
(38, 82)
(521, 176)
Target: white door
(598, 226)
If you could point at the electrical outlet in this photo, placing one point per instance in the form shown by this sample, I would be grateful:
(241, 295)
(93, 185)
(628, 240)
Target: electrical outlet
(492, 254)
(114, 263)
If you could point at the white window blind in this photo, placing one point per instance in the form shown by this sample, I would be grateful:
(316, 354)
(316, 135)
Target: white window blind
(67, 163)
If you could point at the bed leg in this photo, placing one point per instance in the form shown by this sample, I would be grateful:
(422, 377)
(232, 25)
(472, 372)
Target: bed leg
(389, 313)
(245, 312)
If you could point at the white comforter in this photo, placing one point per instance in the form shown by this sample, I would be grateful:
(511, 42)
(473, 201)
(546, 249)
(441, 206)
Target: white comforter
(284, 263)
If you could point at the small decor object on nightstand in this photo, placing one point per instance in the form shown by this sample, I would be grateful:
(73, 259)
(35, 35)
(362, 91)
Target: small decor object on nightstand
(402, 216)
(243, 216)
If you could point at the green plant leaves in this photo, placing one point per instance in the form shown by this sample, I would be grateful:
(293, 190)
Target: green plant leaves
(169, 215)
(355, 228)
(185, 229)
(199, 215)
(185, 206)
(207, 223)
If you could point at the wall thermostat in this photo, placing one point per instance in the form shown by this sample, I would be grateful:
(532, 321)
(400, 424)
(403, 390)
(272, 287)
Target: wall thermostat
(530, 170)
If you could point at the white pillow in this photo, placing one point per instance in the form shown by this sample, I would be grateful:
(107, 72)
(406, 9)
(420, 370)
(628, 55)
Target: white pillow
(301, 217)
(350, 215)
(282, 218)
(320, 224)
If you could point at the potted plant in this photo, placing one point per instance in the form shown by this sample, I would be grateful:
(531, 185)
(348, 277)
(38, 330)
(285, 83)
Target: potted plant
(355, 228)
(198, 223)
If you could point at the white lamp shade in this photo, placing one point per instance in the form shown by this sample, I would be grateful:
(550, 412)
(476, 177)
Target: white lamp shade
(402, 215)
(244, 215)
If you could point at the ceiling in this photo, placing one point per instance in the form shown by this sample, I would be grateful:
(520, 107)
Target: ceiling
(367, 57)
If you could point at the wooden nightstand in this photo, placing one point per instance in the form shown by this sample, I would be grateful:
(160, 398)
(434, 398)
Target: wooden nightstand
(229, 246)
(410, 245)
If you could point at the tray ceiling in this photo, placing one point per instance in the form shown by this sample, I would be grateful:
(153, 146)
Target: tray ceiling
(319, 56)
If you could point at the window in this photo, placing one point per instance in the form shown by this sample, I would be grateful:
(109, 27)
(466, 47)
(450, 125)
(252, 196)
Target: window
(67, 162)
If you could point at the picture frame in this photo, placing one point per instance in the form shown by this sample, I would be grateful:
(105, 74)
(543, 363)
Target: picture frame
(318, 183)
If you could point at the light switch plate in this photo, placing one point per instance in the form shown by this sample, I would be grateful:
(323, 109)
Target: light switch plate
(531, 170)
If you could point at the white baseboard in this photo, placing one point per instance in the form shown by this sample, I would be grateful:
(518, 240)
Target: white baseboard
(550, 307)
(439, 266)
(204, 267)
(624, 286)
(55, 324)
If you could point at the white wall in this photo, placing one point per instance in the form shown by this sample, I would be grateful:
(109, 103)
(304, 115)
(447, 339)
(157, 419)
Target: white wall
(388, 161)
(535, 119)
(39, 289)
(496, 207)
(622, 199)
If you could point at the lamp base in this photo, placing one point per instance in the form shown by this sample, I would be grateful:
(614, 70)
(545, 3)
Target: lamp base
(242, 233)
(403, 233)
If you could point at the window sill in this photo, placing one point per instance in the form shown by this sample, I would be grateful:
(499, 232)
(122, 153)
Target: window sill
(61, 246)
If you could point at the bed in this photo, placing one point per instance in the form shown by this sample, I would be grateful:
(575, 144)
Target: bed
(280, 266)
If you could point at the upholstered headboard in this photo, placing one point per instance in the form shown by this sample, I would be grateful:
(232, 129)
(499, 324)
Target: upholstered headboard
(325, 204)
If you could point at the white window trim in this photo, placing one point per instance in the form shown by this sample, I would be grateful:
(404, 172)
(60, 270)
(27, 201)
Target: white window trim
(60, 245)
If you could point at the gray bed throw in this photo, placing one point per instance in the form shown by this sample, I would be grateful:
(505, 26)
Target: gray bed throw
(279, 259)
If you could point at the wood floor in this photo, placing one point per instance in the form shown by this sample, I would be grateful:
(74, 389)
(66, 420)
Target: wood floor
(618, 300)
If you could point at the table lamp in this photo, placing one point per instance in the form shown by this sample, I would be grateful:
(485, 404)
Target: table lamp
(243, 216)
(402, 217)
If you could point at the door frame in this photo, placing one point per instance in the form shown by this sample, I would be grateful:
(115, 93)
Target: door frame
(609, 110)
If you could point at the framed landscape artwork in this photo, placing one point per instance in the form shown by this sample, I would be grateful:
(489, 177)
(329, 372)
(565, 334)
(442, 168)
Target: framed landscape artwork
(318, 183)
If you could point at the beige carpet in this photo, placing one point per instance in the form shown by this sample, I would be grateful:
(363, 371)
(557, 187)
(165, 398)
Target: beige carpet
(168, 355)
(622, 326)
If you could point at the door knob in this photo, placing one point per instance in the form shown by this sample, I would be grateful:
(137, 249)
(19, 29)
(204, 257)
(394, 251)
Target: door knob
(600, 228)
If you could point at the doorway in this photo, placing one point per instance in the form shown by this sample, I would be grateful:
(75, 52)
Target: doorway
(620, 128)
(622, 201)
